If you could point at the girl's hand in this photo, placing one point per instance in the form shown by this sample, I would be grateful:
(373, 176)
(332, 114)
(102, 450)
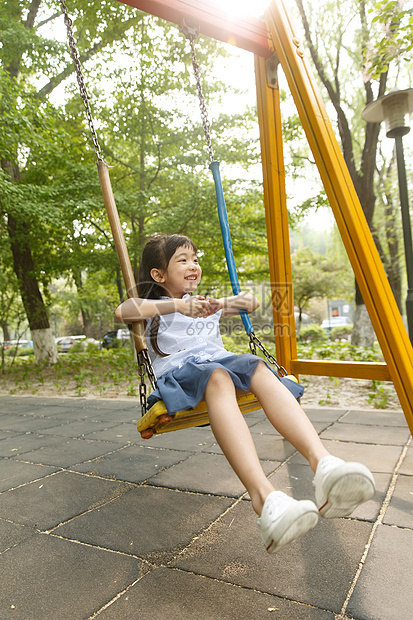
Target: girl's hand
(195, 306)
(214, 305)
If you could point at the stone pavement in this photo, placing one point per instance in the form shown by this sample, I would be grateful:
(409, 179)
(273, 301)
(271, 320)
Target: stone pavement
(95, 522)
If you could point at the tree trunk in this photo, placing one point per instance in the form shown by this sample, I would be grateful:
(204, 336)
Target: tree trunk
(43, 342)
(363, 333)
(5, 329)
(86, 318)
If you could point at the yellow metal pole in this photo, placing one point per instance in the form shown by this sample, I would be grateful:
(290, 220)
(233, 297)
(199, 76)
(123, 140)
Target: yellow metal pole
(346, 207)
(269, 117)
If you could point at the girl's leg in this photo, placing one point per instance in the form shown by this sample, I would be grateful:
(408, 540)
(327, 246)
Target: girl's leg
(286, 415)
(282, 519)
(339, 486)
(233, 436)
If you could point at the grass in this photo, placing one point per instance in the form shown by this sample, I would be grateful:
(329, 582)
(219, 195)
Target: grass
(94, 372)
(114, 373)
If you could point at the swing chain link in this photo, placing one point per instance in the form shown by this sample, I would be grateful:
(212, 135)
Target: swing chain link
(256, 342)
(80, 80)
(145, 367)
(191, 34)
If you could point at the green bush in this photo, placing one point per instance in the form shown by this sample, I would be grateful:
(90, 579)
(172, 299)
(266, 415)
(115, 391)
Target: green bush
(341, 333)
(311, 333)
(78, 347)
(21, 351)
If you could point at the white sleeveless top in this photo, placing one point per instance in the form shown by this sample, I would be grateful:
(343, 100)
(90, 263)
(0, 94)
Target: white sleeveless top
(186, 339)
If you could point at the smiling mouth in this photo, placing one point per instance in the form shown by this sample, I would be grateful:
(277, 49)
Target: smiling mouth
(191, 278)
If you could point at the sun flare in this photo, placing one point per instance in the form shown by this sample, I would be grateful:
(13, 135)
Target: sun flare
(244, 8)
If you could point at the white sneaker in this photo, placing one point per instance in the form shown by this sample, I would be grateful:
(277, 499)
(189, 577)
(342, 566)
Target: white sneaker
(284, 519)
(340, 486)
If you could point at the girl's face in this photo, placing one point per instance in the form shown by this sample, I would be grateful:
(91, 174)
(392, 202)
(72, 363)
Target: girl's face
(183, 273)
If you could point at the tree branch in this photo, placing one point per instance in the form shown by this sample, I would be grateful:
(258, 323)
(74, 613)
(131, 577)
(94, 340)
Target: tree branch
(49, 19)
(33, 10)
(343, 126)
(67, 71)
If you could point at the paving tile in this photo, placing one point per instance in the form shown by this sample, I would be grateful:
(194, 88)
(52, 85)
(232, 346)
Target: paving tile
(363, 433)
(124, 433)
(25, 443)
(173, 594)
(400, 510)
(407, 466)
(75, 428)
(45, 577)
(18, 404)
(377, 458)
(113, 415)
(45, 503)
(189, 439)
(269, 447)
(152, 523)
(375, 417)
(232, 551)
(12, 534)
(264, 427)
(68, 452)
(13, 473)
(133, 464)
(205, 473)
(28, 423)
(384, 588)
(8, 434)
(324, 414)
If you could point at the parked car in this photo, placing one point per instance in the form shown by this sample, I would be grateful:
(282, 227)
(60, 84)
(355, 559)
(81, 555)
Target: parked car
(17, 343)
(65, 343)
(116, 338)
(336, 321)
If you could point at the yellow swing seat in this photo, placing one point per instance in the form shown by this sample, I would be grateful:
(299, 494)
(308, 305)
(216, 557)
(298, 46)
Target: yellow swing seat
(157, 420)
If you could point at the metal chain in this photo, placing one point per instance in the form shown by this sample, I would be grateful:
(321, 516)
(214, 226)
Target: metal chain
(80, 80)
(256, 342)
(204, 114)
(145, 367)
(191, 34)
(144, 361)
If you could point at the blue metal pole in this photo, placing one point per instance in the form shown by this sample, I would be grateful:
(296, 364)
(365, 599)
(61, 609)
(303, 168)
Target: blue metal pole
(226, 237)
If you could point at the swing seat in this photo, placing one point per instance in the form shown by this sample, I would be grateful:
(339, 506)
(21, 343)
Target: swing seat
(157, 420)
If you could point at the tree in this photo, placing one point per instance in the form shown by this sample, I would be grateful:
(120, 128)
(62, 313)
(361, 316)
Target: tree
(356, 62)
(315, 275)
(50, 199)
(29, 127)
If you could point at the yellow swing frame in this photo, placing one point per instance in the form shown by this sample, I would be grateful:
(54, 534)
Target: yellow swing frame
(274, 41)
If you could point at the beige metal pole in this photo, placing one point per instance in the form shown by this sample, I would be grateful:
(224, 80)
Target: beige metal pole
(120, 244)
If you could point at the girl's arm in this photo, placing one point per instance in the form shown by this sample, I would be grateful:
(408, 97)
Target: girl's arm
(137, 309)
(231, 305)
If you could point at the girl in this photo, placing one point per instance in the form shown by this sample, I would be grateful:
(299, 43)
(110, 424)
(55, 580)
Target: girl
(191, 363)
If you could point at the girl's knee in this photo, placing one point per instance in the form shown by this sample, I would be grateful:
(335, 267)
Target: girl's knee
(219, 375)
(219, 379)
(261, 369)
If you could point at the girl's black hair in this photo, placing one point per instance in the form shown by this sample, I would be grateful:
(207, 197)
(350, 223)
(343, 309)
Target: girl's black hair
(156, 255)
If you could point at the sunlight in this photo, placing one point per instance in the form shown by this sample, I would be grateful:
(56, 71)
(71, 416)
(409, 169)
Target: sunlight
(243, 8)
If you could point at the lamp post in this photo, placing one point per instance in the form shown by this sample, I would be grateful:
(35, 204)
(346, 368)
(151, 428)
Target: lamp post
(393, 108)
